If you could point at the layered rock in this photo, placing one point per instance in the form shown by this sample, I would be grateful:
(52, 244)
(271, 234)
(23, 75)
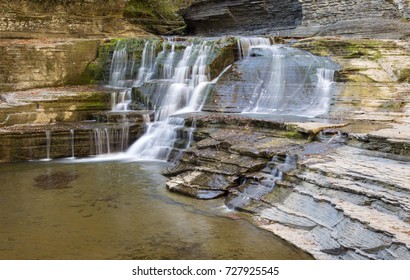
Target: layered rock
(64, 122)
(332, 200)
(157, 17)
(387, 19)
(44, 63)
(373, 79)
(61, 19)
(226, 17)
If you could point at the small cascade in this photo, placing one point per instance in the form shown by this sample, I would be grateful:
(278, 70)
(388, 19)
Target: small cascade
(48, 141)
(121, 70)
(323, 90)
(184, 92)
(254, 189)
(286, 80)
(101, 141)
(71, 137)
(107, 140)
(168, 68)
(120, 101)
(245, 44)
(147, 68)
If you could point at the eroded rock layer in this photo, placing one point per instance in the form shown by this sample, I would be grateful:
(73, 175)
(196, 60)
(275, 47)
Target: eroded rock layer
(327, 197)
(209, 17)
(387, 19)
(65, 18)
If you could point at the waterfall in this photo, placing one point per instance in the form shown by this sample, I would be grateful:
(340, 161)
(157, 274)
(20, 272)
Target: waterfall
(246, 43)
(48, 142)
(109, 140)
(72, 143)
(121, 100)
(181, 91)
(147, 68)
(120, 66)
(286, 80)
(323, 90)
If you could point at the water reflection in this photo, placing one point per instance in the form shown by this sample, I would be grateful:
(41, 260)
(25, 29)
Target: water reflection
(118, 210)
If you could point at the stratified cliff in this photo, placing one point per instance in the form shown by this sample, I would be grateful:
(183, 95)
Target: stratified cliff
(213, 16)
(64, 18)
(300, 17)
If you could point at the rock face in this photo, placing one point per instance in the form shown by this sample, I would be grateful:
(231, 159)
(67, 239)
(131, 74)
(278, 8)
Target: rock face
(157, 16)
(327, 197)
(63, 122)
(210, 17)
(44, 63)
(300, 18)
(59, 19)
(373, 79)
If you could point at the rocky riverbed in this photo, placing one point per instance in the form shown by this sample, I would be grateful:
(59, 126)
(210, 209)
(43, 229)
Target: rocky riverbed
(306, 182)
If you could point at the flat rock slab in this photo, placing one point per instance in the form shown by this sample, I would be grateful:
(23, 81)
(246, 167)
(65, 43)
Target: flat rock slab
(313, 127)
(397, 133)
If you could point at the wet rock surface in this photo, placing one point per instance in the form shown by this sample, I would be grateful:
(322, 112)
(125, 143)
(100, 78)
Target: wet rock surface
(319, 191)
(64, 122)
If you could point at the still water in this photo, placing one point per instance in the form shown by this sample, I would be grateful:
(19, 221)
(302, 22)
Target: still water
(119, 210)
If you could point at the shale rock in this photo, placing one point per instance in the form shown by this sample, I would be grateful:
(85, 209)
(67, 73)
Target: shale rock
(387, 19)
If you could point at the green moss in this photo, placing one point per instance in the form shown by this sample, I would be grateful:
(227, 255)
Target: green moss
(356, 51)
(157, 9)
(393, 106)
(404, 76)
(293, 134)
(349, 48)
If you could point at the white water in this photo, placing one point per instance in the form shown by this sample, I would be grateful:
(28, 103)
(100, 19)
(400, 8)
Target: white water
(147, 68)
(121, 77)
(120, 101)
(72, 143)
(110, 140)
(245, 44)
(184, 92)
(48, 141)
(289, 81)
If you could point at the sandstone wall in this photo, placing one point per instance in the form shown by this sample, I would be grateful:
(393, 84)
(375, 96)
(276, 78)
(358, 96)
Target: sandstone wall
(63, 18)
(28, 64)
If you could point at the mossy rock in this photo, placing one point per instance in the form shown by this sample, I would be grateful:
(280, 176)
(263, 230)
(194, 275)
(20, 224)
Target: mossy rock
(404, 76)
(350, 48)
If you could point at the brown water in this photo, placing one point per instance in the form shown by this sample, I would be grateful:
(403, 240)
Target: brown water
(119, 210)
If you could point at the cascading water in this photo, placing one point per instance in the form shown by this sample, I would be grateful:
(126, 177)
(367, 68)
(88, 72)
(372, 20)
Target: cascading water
(182, 93)
(110, 140)
(123, 73)
(72, 139)
(245, 44)
(287, 81)
(48, 142)
(254, 190)
(283, 81)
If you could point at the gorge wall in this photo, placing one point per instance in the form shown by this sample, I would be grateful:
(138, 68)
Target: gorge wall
(300, 17)
(64, 18)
